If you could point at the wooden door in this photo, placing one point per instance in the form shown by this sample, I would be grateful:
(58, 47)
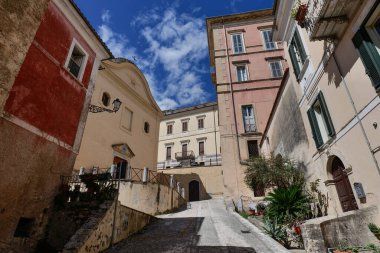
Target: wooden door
(194, 191)
(343, 186)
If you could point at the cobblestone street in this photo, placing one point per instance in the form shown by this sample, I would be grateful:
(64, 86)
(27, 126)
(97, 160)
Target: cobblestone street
(206, 226)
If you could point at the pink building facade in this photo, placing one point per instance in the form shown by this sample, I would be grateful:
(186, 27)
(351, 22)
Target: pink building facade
(247, 79)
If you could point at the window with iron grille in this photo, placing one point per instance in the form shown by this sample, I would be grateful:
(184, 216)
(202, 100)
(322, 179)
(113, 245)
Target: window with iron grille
(238, 43)
(253, 148)
(268, 43)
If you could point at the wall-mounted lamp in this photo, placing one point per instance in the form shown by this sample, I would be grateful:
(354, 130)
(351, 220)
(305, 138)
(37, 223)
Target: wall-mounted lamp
(95, 109)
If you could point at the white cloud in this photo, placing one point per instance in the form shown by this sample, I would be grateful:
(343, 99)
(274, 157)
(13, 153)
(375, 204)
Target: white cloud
(172, 60)
(106, 16)
(177, 43)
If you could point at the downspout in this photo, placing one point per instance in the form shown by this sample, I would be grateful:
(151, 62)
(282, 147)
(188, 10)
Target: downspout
(233, 102)
(357, 115)
(216, 144)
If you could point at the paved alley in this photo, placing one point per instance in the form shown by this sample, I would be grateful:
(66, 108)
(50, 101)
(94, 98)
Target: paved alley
(206, 226)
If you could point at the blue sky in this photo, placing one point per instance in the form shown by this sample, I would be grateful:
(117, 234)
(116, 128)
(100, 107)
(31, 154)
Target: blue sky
(167, 40)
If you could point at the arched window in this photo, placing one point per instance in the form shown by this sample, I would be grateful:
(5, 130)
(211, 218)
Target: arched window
(106, 98)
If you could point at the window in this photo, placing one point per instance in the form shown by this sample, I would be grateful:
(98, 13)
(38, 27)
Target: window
(248, 119)
(276, 68)
(126, 119)
(268, 43)
(168, 153)
(253, 148)
(297, 53)
(169, 129)
(367, 44)
(184, 126)
(106, 99)
(76, 61)
(320, 121)
(237, 42)
(201, 148)
(200, 123)
(242, 73)
(146, 127)
(24, 227)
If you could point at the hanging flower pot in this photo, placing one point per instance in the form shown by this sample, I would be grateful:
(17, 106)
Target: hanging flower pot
(297, 230)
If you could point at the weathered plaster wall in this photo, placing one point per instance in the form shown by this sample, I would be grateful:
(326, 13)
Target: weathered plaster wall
(29, 182)
(45, 94)
(19, 21)
(96, 235)
(150, 198)
(350, 228)
(210, 179)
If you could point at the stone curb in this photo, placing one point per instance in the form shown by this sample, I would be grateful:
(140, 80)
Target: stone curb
(277, 247)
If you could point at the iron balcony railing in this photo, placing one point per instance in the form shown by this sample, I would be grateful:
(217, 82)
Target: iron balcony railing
(188, 155)
(250, 128)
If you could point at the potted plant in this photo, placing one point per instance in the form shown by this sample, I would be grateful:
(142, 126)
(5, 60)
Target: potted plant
(299, 13)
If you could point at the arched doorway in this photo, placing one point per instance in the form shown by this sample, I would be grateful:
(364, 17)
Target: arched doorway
(343, 186)
(194, 190)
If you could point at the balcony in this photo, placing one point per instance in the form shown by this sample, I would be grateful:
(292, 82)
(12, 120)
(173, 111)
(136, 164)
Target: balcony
(250, 128)
(188, 155)
(328, 19)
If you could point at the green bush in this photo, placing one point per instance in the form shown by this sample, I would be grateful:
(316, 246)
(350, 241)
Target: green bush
(273, 171)
(288, 205)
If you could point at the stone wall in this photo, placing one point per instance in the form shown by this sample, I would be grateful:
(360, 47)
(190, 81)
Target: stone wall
(350, 229)
(210, 179)
(19, 21)
(150, 198)
(96, 234)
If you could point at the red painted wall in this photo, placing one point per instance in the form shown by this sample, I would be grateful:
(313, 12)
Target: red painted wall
(45, 94)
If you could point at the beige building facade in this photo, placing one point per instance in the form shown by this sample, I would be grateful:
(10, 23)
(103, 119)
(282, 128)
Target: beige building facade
(327, 112)
(248, 71)
(189, 137)
(128, 136)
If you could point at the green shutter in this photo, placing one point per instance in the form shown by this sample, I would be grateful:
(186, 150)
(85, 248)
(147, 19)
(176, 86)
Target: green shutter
(326, 115)
(293, 58)
(369, 55)
(300, 48)
(314, 128)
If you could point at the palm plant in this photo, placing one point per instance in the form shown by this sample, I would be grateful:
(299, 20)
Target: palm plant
(288, 205)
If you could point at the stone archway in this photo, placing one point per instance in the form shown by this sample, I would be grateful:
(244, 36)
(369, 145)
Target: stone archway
(343, 186)
(194, 190)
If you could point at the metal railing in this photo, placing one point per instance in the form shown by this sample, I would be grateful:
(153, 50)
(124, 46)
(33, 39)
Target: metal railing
(250, 128)
(188, 155)
(104, 186)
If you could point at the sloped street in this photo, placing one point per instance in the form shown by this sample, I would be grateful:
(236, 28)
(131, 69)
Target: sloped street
(205, 226)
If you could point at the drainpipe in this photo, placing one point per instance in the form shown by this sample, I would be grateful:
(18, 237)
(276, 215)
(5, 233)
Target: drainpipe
(216, 144)
(357, 115)
(233, 102)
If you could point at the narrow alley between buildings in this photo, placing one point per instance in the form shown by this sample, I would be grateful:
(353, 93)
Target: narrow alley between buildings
(205, 226)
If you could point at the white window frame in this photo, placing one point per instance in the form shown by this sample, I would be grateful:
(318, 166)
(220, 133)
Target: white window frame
(281, 67)
(265, 44)
(246, 70)
(74, 44)
(242, 41)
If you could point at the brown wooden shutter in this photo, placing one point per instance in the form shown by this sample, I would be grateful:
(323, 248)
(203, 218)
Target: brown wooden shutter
(201, 148)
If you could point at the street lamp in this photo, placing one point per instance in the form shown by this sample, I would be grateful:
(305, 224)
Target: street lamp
(95, 109)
